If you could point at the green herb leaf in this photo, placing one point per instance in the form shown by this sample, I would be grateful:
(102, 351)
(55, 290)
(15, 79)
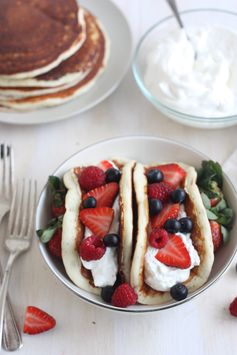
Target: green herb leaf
(46, 234)
(225, 217)
(205, 200)
(225, 234)
(211, 216)
(220, 206)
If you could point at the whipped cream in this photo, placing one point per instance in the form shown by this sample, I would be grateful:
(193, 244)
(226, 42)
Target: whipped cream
(161, 277)
(104, 270)
(205, 85)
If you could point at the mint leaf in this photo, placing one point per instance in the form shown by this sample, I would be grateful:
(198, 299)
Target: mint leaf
(47, 233)
(220, 206)
(205, 200)
(211, 216)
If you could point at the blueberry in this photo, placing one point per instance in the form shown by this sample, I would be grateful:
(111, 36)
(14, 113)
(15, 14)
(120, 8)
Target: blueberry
(186, 225)
(154, 175)
(107, 293)
(172, 225)
(111, 240)
(178, 196)
(89, 202)
(179, 292)
(155, 206)
(112, 175)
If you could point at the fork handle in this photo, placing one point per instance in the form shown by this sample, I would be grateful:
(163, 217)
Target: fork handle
(3, 291)
(11, 336)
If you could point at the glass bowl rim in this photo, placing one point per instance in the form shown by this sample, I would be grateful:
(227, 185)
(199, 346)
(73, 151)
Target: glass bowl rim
(152, 98)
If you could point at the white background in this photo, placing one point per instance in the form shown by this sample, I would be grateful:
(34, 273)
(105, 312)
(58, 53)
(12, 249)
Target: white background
(202, 326)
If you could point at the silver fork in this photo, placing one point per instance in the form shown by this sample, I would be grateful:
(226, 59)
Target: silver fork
(11, 337)
(20, 232)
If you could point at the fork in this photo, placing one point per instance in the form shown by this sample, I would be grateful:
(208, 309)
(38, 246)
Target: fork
(11, 337)
(20, 232)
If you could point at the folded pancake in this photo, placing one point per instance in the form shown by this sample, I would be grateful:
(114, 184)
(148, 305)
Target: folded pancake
(73, 229)
(96, 58)
(68, 73)
(37, 35)
(200, 236)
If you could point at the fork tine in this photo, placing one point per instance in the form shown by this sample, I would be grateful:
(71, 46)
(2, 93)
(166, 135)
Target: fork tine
(11, 171)
(25, 209)
(16, 208)
(3, 156)
(33, 201)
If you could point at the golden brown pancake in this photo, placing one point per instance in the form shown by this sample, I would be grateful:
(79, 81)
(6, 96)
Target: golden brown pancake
(36, 35)
(66, 94)
(69, 72)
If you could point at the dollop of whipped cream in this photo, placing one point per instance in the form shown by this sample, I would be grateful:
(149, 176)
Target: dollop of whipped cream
(104, 270)
(161, 277)
(204, 85)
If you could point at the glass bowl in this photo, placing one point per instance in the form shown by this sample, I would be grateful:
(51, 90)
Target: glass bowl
(194, 18)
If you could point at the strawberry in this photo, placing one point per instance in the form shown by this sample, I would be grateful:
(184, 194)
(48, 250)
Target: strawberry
(173, 174)
(214, 201)
(57, 211)
(37, 321)
(98, 219)
(54, 244)
(216, 234)
(104, 195)
(233, 307)
(174, 253)
(160, 191)
(91, 177)
(105, 165)
(169, 211)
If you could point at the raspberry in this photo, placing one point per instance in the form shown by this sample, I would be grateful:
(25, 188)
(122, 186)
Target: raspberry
(158, 238)
(91, 177)
(160, 191)
(124, 296)
(233, 307)
(92, 248)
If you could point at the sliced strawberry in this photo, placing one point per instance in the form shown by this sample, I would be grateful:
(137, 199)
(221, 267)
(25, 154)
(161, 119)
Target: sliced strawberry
(105, 165)
(54, 244)
(57, 211)
(216, 234)
(37, 321)
(98, 219)
(174, 253)
(169, 211)
(214, 201)
(173, 174)
(104, 195)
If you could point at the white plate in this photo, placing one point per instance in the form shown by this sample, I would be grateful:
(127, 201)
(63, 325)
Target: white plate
(120, 37)
(144, 149)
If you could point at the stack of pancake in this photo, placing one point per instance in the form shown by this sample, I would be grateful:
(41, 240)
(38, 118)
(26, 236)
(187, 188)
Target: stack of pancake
(50, 52)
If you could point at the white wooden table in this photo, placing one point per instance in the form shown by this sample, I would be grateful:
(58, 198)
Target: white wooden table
(202, 326)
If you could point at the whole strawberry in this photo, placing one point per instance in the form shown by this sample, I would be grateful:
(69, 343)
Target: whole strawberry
(233, 307)
(54, 244)
(216, 234)
(124, 296)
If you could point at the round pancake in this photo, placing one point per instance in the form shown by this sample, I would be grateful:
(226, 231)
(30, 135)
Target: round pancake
(69, 72)
(69, 93)
(35, 36)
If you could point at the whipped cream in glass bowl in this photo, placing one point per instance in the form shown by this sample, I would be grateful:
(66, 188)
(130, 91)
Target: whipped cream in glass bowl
(201, 90)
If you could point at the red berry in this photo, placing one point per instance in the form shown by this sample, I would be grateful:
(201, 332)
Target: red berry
(54, 244)
(91, 177)
(57, 211)
(160, 191)
(216, 235)
(98, 219)
(104, 195)
(158, 238)
(173, 174)
(214, 201)
(92, 248)
(105, 165)
(37, 321)
(174, 253)
(124, 296)
(169, 211)
(233, 307)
